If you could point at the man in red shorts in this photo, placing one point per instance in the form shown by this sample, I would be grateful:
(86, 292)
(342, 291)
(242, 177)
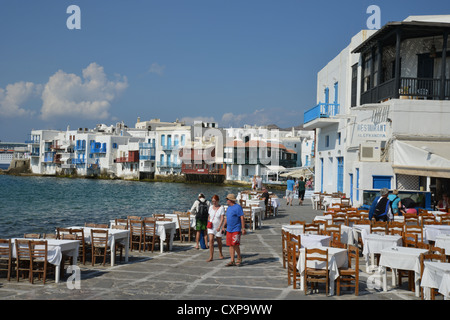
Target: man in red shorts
(234, 220)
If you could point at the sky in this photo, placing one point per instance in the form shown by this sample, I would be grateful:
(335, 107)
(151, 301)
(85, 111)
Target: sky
(234, 62)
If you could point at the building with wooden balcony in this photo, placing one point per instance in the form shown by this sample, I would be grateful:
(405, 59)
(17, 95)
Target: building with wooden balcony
(382, 113)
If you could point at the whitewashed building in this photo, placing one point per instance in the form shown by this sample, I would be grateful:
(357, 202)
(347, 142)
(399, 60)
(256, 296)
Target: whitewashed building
(383, 111)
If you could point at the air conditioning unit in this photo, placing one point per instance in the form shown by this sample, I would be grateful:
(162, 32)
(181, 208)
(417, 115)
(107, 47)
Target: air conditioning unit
(370, 151)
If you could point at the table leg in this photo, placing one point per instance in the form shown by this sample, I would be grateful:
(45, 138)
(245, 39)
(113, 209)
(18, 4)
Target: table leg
(384, 274)
(113, 251)
(57, 271)
(127, 246)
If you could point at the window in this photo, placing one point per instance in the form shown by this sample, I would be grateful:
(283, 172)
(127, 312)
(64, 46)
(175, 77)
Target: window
(327, 141)
(339, 138)
(354, 84)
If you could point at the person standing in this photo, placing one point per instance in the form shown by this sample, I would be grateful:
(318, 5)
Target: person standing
(200, 209)
(234, 220)
(381, 207)
(290, 191)
(301, 190)
(216, 214)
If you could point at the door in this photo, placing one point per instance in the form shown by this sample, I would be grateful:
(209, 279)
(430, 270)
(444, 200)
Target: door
(321, 174)
(351, 186)
(340, 174)
(425, 72)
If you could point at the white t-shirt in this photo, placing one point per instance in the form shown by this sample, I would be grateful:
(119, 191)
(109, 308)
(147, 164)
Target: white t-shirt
(215, 217)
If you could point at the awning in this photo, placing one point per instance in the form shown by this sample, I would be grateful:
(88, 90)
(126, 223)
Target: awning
(304, 172)
(422, 158)
(275, 169)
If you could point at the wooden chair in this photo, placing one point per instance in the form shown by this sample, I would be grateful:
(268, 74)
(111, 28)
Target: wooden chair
(292, 250)
(296, 222)
(38, 260)
(184, 226)
(99, 244)
(79, 235)
(428, 219)
(416, 229)
(333, 230)
(49, 236)
(121, 222)
(339, 219)
(316, 275)
(119, 246)
(423, 212)
(90, 224)
(61, 231)
(395, 225)
(284, 239)
(445, 219)
(364, 213)
(66, 236)
(349, 277)
(363, 221)
(311, 228)
(159, 215)
(378, 227)
(136, 233)
(6, 257)
(410, 240)
(411, 219)
(351, 218)
(32, 236)
(101, 225)
(134, 218)
(23, 257)
(270, 211)
(248, 216)
(430, 256)
(150, 233)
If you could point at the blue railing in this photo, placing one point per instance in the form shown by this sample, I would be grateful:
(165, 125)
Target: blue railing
(322, 110)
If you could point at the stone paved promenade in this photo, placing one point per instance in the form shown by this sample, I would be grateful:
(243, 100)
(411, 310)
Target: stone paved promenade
(184, 274)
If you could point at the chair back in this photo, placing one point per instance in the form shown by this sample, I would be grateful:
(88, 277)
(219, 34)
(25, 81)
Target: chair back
(32, 236)
(99, 238)
(296, 222)
(38, 250)
(378, 227)
(319, 256)
(61, 231)
(66, 236)
(184, 221)
(136, 227)
(49, 236)
(5, 249)
(149, 227)
(122, 222)
(311, 228)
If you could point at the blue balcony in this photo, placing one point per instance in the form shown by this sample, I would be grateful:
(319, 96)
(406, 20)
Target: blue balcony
(97, 147)
(322, 110)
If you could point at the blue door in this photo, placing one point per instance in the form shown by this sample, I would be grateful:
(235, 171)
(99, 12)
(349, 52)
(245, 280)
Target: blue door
(321, 175)
(340, 174)
(379, 182)
(351, 186)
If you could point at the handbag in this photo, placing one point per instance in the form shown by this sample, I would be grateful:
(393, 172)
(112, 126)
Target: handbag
(209, 225)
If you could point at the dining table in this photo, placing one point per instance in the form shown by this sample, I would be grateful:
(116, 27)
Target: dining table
(374, 243)
(114, 235)
(436, 275)
(401, 258)
(431, 231)
(337, 258)
(55, 251)
(443, 241)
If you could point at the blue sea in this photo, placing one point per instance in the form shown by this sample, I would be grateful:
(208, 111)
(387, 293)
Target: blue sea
(41, 204)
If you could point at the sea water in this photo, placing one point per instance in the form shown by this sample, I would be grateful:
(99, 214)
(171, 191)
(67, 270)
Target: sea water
(41, 204)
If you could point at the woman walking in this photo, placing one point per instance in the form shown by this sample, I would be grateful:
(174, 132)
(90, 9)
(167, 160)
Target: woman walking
(215, 223)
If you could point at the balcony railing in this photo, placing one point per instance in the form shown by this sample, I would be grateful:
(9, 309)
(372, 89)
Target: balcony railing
(414, 88)
(322, 110)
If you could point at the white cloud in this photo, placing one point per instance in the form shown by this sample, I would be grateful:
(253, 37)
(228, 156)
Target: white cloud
(14, 96)
(88, 97)
(157, 68)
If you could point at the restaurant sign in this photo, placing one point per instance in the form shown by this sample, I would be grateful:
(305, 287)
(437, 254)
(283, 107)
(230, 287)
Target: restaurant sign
(371, 130)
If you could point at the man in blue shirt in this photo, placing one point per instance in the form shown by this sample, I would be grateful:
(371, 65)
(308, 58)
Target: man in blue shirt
(290, 191)
(234, 220)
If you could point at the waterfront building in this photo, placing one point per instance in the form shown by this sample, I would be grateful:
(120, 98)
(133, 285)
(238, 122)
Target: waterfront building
(10, 151)
(266, 151)
(382, 113)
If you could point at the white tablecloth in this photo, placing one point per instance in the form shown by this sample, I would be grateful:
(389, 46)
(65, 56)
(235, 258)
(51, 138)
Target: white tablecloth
(443, 241)
(314, 240)
(402, 258)
(337, 258)
(431, 231)
(55, 250)
(374, 243)
(436, 275)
